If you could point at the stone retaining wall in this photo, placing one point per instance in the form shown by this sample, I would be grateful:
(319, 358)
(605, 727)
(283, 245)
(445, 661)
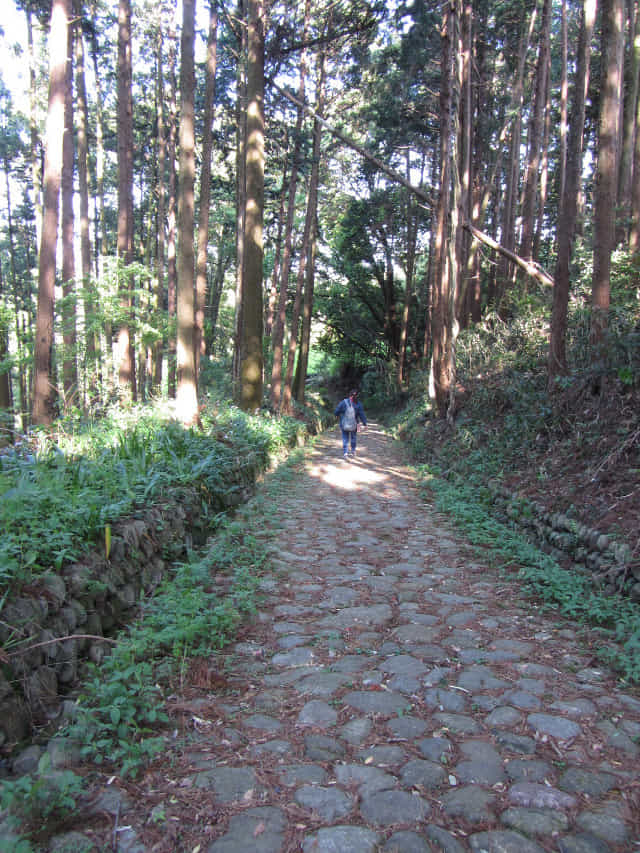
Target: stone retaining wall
(589, 551)
(55, 626)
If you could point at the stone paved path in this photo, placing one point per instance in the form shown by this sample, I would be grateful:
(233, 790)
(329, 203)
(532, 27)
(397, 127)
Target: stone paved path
(397, 695)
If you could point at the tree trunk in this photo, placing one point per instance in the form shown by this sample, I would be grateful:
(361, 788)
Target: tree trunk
(277, 335)
(215, 290)
(271, 304)
(544, 172)
(251, 358)
(126, 355)
(309, 226)
(171, 218)
(441, 290)
(186, 395)
(33, 130)
(91, 341)
(205, 183)
(606, 173)
(6, 401)
(504, 274)
(161, 224)
(564, 98)
(408, 293)
(535, 135)
(302, 367)
(629, 124)
(463, 240)
(634, 233)
(102, 248)
(43, 388)
(412, 233)
(69, 368)
(241, 190)
(569, 200)
(19, 333)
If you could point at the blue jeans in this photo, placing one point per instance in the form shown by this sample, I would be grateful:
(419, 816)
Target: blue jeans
(345, 440)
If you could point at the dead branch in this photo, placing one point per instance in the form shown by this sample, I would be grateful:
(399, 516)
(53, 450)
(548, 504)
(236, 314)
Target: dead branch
(25, 649)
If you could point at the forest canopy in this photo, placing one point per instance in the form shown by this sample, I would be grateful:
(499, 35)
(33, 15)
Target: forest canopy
(266, 185)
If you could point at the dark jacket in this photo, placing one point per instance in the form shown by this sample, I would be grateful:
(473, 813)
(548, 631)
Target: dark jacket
(342, 407)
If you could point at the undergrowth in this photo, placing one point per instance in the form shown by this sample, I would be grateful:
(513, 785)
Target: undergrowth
(510, 427)
(194, 612)
(60, 491)
(561, 589)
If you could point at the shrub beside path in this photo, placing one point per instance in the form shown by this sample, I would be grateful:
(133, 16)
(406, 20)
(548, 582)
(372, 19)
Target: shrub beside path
(395, 693)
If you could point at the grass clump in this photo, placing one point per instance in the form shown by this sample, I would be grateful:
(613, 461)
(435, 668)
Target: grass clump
(38, 801)
(561, 589)
(568, 447)
(120, 713)
(60, 493)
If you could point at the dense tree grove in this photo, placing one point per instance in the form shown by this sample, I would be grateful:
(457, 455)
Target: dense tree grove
(256, 180)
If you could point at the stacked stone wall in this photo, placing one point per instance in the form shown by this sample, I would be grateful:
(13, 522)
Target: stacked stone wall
(589, 551)
(51, 629)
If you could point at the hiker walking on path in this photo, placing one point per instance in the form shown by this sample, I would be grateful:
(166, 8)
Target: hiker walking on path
(350, 411)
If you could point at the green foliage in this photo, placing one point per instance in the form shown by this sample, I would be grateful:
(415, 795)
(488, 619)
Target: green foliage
(58, 496)
(553, 586)
(121, 706)
(40, 799)
(623, 333)
(379, 387)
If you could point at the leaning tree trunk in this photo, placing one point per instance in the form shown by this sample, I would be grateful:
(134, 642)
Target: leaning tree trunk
(251, 357)
(43, 388)
(569, 201)
(186, 393)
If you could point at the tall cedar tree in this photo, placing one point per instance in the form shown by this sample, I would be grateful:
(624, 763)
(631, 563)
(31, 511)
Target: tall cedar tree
(205, 183)
(126, 367)
(606, 182)
(442, 274)
(251, 357)
(69, 368)
(161, 147)
(43, 386)
(569, 199)
(277, 334)
(307, 308)
(82, 115)
(186, 395)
